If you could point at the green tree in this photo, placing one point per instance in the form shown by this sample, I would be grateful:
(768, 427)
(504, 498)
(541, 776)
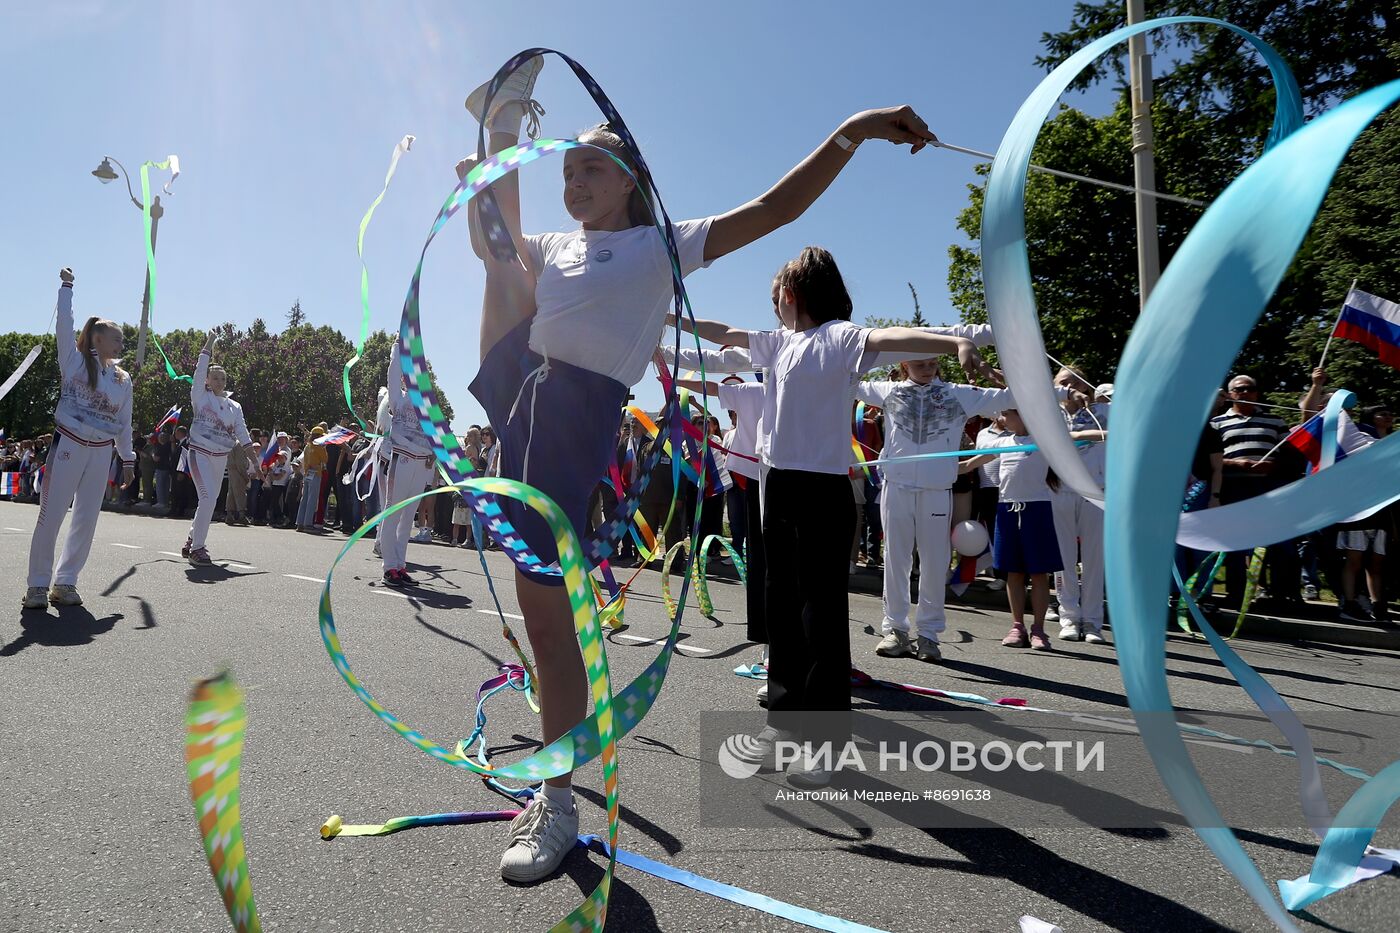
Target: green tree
(290, 380)
(28, 409)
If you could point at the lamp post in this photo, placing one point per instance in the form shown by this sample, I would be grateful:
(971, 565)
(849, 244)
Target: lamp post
(105, 174)
(1144, 174)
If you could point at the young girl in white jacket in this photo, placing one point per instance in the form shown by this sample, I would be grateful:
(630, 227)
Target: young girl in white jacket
(218, 425)
(93, 415)
(405, 469)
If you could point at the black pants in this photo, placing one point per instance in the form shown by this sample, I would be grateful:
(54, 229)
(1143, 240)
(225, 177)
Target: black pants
(756, 593)
(808, 522)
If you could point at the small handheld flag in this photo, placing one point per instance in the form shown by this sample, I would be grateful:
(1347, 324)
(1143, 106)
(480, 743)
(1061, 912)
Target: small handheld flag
(1372, 322)
(171, 417)
(274, 448)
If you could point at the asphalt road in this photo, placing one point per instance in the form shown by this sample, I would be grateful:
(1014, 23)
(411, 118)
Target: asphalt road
(97, 832)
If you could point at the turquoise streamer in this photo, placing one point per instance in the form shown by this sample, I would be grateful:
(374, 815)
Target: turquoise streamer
(1196, 321)
(1194, 325)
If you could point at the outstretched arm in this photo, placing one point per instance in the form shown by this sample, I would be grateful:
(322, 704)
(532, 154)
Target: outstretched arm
(789, 198)
(713, 331)
(909, 339)
(70, 361)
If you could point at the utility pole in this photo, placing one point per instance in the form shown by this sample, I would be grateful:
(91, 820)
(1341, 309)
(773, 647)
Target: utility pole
(156, 212)
(1144, 175)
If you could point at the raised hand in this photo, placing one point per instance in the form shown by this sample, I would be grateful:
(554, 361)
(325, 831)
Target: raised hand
(899, 125)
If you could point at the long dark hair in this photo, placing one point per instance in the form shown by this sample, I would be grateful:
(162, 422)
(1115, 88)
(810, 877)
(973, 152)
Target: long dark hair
(602, 135)
(817, 286)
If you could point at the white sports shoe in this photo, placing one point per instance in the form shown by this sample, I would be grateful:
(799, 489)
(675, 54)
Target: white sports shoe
(1069, 631)
(64, 594)
(895, 645)
(377, 553)
(512, 102)
(36, 597)
(1094, 638)
(763, 695)
(540, 837)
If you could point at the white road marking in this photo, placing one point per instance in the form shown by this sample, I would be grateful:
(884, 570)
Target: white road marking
(508, 615)
(389, 593)
(689, 649)
(241, 563)
(8, 528)
(297, 576)
(170, 553)
(134, 547)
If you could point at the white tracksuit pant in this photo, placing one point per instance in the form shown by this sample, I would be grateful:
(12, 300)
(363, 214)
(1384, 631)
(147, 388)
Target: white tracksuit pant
(403, 478)
(74, 475)
(207, 471)
(1081, 593)
(915, 517)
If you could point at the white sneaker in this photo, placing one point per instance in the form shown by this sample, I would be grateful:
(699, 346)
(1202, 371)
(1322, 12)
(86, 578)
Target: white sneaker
(895, 645)
(1069, 631)
(1094, 638)
(64, 594)
(1052, 614)
(1309, 591)
(377, 552)
(996, 584)
(36, 597)
(540, 837)
(512, 101)
(763, 695)
(804, 774)
(758, 750)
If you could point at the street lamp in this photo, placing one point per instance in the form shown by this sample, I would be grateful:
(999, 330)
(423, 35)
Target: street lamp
(105, 174)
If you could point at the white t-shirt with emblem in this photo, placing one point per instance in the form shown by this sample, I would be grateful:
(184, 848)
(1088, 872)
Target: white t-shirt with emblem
(602, 295)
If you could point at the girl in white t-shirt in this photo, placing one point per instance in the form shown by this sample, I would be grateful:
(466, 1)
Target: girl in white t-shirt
(1025, 546)
(93, 417)
(814, 363)
(569, 321)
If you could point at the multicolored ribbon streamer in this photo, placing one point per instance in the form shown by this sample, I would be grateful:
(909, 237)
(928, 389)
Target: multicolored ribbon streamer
(403, 146)
(596, 736)
(697, 571)
(335, 827)
(214, 727)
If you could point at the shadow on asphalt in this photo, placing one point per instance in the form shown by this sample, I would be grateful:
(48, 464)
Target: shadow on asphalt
(73, 626)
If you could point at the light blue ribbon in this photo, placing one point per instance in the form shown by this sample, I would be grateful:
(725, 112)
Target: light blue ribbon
(1197, 319)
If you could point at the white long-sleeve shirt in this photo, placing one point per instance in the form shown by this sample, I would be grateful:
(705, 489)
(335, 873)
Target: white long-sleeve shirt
(218, 420)
(94, 415)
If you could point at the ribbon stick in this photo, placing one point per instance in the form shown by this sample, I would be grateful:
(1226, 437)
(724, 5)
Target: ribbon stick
(214, 727)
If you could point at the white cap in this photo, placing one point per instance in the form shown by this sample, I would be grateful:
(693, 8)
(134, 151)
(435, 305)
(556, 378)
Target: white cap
(1106, 390)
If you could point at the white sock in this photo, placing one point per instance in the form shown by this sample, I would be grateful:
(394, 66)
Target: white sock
(561, 797)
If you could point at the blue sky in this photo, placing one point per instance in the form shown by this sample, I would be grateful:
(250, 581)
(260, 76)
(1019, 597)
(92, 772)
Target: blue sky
(284, 116)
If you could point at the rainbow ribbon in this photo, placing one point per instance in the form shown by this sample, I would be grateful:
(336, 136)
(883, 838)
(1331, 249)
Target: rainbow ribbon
(697, 571)
(403, 146)
(214, 725)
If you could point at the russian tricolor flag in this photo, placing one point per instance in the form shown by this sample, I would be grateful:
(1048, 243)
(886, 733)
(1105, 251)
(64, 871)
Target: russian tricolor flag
(274, 447)
(171, 417)
(1306, 438)
(11, 484)
(336, 435)
(1372, 322)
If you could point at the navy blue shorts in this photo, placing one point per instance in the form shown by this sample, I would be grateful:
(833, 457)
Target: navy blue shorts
(576, 412)
(1025, 539)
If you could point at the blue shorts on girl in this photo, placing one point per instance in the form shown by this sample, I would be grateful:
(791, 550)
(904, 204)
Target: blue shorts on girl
(1025, 538)
(559, 440)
